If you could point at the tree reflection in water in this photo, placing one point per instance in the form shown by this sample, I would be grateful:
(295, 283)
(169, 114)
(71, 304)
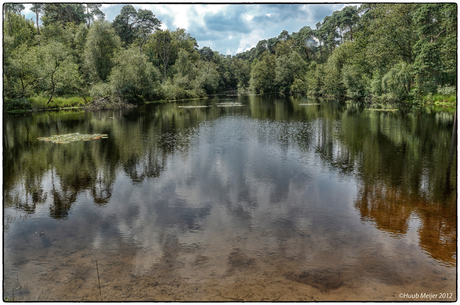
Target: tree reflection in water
(399, 159)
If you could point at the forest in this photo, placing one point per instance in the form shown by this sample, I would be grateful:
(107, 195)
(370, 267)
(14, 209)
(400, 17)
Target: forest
(69, 55)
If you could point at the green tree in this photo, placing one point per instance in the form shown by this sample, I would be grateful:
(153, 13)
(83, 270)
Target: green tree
(63, 13)
(57, 69)
(396, 83)
(161, 45)
(101, 46)
(304, 42)
(133, 77)
(146, 24)
(93, 10)
(288, 68)
(23, 68)
(435, 62)
(242, 72)
(22, 29)
(315, 79)
(349, 18)
(263, 74)
(391, 36)
(131, 24)
(37, 8)
(124, 24)
(207, 76)
(11, 8)
(261, 47)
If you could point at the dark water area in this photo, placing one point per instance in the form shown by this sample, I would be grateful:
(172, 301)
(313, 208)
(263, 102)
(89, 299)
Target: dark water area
(273, 199)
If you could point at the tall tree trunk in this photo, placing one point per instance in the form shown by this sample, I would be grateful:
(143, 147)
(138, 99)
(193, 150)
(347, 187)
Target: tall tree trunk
(38, 28)
(52, 91)
(89, 18)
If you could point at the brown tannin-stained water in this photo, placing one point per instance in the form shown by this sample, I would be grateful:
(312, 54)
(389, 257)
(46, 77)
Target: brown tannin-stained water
(272, 199)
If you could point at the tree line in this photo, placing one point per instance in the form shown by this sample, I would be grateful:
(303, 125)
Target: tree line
(374, 51)
(387, 52)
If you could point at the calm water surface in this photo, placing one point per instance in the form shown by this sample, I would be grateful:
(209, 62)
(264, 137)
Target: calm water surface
(273, 201)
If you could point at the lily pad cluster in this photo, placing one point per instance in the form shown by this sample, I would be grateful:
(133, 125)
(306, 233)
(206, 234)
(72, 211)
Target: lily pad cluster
(193, 106)
(229, 105)
(382, 109)
(73, 137)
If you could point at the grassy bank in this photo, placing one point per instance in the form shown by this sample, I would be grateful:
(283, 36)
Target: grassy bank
(40, 103)
(438, 102)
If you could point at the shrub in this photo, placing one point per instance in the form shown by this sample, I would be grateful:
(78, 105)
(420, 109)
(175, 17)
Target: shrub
(447, 90)
(353, 82)
(133, 77)
(17, 104)
(396, 83)
(299, 86)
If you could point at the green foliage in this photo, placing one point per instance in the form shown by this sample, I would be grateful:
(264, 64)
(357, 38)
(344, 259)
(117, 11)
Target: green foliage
(58, 73)
(288, 68)
(100, 90)
(124, 24)
(93, 10)
(101, 46)
(63, 13)
(196, 76)
(263, 74)
(170, 91)
(39, 102)
(242, 72)
(353, 81)
(133, 77)
(389, 51)
(131, 25)
(299, 86)
(22, 72)
(396, 83)
(21, 30)
(315, 79)
(16, 104)
(376, 85)
(447, 90)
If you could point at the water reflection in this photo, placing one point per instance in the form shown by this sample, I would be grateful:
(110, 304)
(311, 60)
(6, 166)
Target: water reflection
(275, 189)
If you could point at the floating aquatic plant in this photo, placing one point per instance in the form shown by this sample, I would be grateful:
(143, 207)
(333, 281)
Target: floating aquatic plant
(229, 105)
(383, 109)
(73, 137)
(193, 106)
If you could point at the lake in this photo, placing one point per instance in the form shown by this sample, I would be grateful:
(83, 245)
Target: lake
(251, 198)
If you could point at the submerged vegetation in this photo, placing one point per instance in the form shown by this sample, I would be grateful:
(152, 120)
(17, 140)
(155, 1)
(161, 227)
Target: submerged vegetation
(374, 52)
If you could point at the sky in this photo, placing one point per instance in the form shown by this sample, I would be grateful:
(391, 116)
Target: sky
(229, 28)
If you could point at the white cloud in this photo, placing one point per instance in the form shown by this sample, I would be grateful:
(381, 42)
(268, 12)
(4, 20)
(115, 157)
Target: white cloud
(250, 40)
(27, 8)
(309, 14)
(248, 17)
